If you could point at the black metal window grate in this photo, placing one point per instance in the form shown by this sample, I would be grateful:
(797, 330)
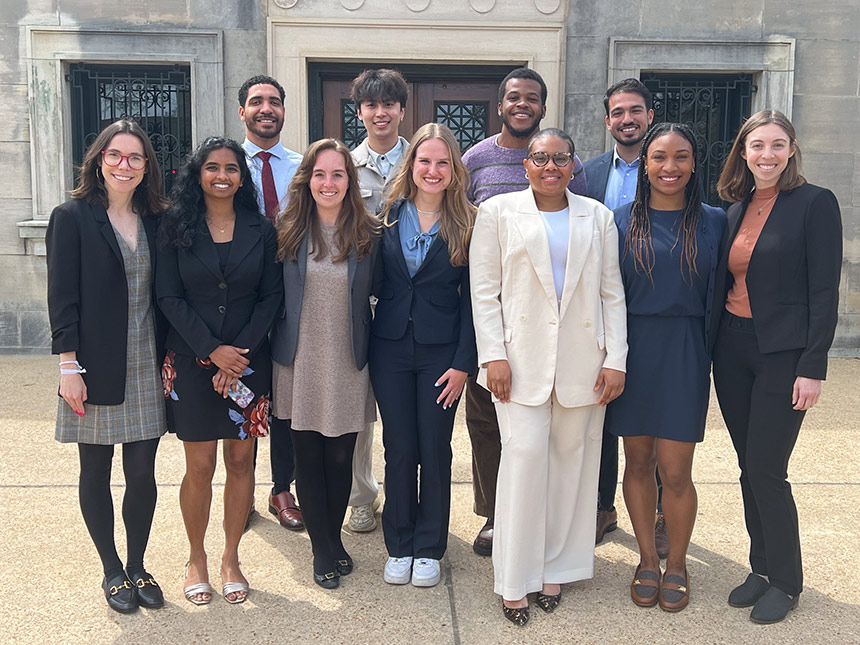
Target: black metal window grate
(713, 105)
(353, 129)
(468, 121)
(157, 97)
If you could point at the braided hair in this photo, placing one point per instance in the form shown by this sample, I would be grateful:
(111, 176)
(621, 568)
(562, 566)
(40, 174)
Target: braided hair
(638, 238)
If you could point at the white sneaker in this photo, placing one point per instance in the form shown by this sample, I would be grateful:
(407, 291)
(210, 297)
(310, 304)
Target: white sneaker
(398, 570)
(426, 573)
(362, 518)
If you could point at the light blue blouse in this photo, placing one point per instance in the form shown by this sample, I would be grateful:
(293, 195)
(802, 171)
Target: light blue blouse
(557, 225)
(414, 243)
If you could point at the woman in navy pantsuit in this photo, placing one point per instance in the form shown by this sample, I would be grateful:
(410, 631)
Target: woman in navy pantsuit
(778, 284)
(422, 347)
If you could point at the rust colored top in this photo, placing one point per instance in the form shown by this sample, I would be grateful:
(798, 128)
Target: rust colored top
(755, 217)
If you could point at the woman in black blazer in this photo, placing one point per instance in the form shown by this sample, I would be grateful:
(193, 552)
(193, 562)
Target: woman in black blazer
(101, 262)
(328, 244)
(779, 279)
(220, 288)
(422, 348)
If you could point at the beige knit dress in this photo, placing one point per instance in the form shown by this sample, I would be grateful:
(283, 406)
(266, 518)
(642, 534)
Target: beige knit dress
(322, 390)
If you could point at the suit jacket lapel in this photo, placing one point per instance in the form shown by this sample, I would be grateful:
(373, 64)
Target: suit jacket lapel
(579, 246)
(246, 234)
(435, 245)
(393, 232)
(101, 216)
(205, 251)
(530, 225)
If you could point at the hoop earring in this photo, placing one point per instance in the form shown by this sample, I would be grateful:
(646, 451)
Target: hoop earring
(526, 174)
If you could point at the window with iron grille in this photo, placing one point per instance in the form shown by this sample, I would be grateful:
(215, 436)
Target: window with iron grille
(158, 97)
(713, 105)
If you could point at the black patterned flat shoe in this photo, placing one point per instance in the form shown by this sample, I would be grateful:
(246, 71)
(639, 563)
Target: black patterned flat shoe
(518, 616)
(546, 602)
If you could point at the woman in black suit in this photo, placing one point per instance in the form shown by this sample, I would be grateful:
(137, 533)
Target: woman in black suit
(328, 244)
(422, 348)
(779, 278)
(220, 288)
(101, 262)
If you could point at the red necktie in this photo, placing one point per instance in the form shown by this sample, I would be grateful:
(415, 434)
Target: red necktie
(270, 195)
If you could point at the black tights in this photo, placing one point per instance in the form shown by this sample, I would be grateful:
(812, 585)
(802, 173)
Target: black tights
(323, 482)
(138, 504)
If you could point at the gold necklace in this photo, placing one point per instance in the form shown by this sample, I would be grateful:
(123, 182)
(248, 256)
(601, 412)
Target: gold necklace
(212, 223)
(761, 208)
(436, 212)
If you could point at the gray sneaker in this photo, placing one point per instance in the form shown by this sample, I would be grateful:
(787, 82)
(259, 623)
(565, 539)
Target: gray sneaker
(362, 518)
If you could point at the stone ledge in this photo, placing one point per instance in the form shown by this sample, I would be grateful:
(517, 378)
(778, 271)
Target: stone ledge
(32, 231)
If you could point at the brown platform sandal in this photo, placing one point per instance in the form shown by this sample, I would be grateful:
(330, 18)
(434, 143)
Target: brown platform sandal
(674, 582)
(645, 579)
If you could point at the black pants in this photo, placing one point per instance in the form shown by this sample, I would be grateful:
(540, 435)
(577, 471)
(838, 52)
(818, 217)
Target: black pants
(282, 455)
(754, 391)
(323, 482)
(138, 504)
(486, 446)
(416, 432)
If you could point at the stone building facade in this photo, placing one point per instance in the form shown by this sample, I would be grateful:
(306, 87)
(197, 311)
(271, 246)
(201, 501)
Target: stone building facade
(799, 56)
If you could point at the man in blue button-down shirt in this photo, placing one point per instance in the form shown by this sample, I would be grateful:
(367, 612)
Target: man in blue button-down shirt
(261, 108)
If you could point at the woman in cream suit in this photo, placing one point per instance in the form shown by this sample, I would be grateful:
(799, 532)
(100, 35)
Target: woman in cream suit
(548, 307)
(550, 321)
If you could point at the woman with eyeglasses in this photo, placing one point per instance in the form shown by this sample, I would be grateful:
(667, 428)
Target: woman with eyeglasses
(550, 321)
(669, 245)
(220, 288)
(101, 255)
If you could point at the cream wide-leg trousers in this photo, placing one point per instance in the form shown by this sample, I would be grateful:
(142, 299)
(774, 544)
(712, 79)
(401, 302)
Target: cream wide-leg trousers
(546, 495)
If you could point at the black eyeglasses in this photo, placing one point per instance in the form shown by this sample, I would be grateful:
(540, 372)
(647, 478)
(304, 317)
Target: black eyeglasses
(560, 159)
(113, 158)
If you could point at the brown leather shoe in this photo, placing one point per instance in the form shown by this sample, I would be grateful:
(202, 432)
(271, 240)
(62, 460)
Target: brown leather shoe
(283, 505)
(661, 538)
(607, 521)
(483, 544)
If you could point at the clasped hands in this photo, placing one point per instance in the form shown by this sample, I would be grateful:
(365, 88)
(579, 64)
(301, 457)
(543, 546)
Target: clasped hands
(231, 364)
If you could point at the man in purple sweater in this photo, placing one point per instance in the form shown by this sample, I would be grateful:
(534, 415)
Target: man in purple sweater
(496, 167)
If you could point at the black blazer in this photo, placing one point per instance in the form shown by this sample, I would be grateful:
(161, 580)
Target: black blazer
(88, 295)
(597, 175)
(793, 276)
(285, 335)
(207, 308)
(436, 299)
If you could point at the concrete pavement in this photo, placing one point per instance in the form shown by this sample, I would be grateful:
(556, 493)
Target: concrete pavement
(50, 575)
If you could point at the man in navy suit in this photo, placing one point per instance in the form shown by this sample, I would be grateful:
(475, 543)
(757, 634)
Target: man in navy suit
(612, 180)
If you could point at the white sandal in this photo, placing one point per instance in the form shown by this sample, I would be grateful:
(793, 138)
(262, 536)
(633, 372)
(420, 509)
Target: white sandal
(198, 589)
(235, 588)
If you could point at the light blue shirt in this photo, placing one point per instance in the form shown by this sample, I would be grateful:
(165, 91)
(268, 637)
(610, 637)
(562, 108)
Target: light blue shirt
(557, 225)
(621, 184)
(385, 161)
(414, 243)
(284, 165)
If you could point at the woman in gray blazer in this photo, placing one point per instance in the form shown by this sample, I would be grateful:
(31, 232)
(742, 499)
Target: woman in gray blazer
(328, 244)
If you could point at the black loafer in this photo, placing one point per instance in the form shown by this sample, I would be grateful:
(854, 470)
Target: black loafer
(748, 594)
(120, 593)
(149, 593)
(772, 607)
(344, 567)
(330, 580)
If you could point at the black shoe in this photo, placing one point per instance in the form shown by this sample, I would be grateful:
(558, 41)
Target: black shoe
(120, 593)
(330, 580)
(747, 594)
(546, 602)
(149, 593)
(519, 616)
(772, 607)
(344, 567)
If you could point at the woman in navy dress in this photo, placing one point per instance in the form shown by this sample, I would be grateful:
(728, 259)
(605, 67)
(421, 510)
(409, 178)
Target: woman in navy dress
(669, 250)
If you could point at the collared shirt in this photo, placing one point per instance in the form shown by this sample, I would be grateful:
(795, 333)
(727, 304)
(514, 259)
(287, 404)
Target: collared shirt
(385, 161)
(621, 183)
(284, 165)
(413, 242)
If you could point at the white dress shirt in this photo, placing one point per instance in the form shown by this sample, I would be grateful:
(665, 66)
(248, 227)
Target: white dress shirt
(284, 165)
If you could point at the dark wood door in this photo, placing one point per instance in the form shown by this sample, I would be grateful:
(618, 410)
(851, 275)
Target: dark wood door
(439, 94)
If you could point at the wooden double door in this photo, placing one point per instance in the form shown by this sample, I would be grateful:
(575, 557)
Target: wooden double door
(464, 99)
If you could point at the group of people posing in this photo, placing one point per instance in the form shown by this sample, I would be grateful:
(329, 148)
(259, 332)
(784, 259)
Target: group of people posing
(291, 296)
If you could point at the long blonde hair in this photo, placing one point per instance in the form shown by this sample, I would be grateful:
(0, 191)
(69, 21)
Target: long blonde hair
(356, 228)
(458, 214)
